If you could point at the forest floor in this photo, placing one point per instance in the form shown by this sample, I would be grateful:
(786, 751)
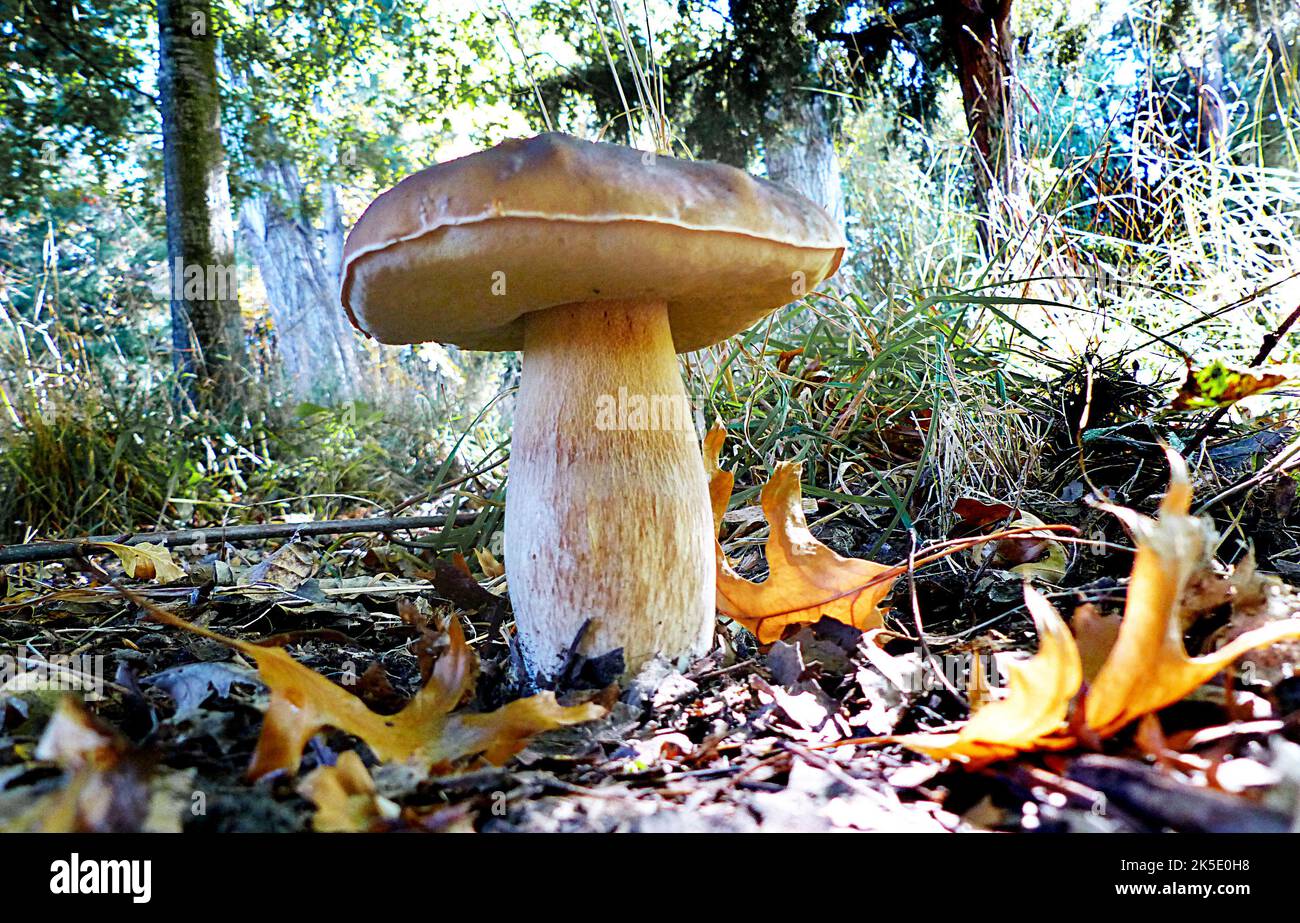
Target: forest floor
(742, 740)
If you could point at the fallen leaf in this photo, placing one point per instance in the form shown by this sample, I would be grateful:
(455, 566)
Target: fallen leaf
(146, 561)
(76, 739)
(1149, 667)
(427, 731)
(345, 798)
(108, 783)
(1095, 634)
(976, 515)
(190, 685)
(453, 582)
(1034, 555)
(1145, 670)
(721, 483)
(1218, 385)
(288, 567)
(1033, 714)
(806, 580)
(427, 642)
(488, 563)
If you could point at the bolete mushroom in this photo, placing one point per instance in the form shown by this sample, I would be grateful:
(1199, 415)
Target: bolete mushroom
(600, 262)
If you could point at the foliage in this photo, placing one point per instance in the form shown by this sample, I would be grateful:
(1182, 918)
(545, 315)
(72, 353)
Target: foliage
(1147, 669)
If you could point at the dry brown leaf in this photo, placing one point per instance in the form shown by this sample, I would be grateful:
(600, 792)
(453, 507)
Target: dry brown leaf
(1031, 554)
(146, 561)
(806, 580)
(1034, 712)
(1146, 669)
(288, 567)
(345, 798)
(976, 515)
(76, 739)
(107, 788)
(488, 563)
(426, 731)
(1035, 555)
(1149, 667)
(1095, 634)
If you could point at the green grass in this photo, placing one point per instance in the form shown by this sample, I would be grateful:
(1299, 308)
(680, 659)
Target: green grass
(941, 366)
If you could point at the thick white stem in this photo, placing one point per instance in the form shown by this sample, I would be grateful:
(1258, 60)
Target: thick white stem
(607, 510)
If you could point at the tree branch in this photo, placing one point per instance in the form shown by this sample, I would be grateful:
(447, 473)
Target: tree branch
(877, 30)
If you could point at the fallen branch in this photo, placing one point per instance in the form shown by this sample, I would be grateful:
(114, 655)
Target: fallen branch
(54, 551)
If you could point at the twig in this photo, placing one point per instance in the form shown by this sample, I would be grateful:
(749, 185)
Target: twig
(54, 551)
(920, 627)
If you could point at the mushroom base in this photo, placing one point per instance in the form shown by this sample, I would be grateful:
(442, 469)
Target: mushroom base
(607, 509)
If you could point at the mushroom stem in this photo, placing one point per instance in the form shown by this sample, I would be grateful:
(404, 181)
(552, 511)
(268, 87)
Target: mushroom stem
(607, 509)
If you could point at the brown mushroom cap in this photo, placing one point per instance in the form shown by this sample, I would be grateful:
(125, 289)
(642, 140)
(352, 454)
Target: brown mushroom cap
(460, 252)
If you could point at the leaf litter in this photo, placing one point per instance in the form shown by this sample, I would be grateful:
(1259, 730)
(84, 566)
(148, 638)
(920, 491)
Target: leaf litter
(358, 687)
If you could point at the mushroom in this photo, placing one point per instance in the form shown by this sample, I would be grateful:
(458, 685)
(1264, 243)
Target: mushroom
(601, 263)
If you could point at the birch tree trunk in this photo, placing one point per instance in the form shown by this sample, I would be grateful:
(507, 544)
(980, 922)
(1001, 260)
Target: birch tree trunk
(207, 333)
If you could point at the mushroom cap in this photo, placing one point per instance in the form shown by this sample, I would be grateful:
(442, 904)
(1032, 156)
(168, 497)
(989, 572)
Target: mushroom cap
(459, 252)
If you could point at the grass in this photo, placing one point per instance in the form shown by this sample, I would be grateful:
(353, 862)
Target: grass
(942, 368)
(82, 451)
(938, 365)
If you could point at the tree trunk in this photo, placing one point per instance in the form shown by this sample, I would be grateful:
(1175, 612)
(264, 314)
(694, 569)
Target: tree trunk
(321, 355)
(799, 148)
(207, 333)
(978, 32)
(1211, 108)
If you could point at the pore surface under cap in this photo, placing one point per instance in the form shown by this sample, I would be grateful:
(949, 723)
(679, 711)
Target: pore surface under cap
(461, 251)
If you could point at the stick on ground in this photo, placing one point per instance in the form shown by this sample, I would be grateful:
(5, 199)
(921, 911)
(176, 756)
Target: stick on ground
(53, 551)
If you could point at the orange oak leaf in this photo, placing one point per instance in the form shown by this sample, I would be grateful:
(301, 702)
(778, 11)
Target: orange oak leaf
(1149, 667)
(806, 580)
(346, 799)
(1145, 670)
(1034, 712)
(721, 482)
(426, 732)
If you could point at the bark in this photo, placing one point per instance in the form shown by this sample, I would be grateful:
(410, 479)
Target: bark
(1211, 109)
(322, 357)
(799, 148)
(207, 333)
(978, 32)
